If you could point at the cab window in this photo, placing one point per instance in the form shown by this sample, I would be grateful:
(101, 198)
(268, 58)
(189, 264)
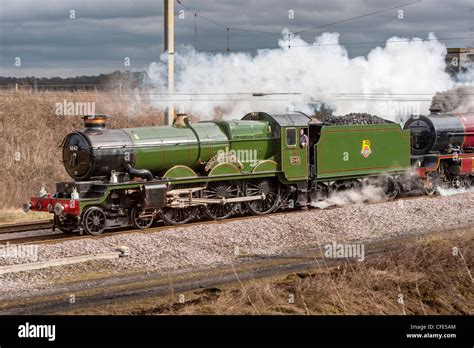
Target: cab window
(291, 137)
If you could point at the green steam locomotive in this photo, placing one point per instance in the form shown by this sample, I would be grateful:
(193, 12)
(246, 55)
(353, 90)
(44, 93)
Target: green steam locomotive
(215, 169)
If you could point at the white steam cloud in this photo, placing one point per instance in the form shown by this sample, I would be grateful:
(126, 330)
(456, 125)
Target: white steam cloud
(452, 191)
(369, 193)
(320, 72)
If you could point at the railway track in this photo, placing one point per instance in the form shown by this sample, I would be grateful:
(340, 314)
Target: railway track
(60, 237)
(26, 226)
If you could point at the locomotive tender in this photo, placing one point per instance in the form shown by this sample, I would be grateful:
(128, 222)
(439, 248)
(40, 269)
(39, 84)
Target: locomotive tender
(258, 164)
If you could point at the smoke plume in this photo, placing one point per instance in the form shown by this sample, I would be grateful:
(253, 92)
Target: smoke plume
(459, 98)
(320, 72)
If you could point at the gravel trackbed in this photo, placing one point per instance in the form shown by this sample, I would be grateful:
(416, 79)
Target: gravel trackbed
(208, 245)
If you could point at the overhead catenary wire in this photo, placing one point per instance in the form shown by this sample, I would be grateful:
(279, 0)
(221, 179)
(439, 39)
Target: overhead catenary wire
(169, 100)
(252, 94)
(300, 31)
(201, 16)
(342, 44)
(234, 100)
(340, 97)
(228, 29)
(358, 17)
(53, 93)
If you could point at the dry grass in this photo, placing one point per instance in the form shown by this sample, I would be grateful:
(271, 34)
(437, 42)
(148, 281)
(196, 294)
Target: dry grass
(8, 215)
(30, 127)
(427, 275)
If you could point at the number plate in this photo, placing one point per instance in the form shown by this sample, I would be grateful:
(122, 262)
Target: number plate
(295, 160)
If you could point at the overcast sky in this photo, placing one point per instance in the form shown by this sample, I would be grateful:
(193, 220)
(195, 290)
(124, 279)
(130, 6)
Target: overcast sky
(105, 32)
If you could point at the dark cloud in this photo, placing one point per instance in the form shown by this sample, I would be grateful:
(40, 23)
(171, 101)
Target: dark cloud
(106, 31)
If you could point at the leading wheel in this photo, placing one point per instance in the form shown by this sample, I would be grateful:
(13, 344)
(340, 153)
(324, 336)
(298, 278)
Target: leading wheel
(140, 222)
(94, 221)
(270, 188)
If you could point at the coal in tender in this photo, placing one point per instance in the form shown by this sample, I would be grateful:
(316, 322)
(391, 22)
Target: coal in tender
(353, 118)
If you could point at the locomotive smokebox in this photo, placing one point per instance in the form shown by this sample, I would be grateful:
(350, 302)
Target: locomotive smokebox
(440, 133)
(97, 151)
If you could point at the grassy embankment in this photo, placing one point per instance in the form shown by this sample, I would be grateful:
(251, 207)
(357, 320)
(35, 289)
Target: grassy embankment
(31, 133)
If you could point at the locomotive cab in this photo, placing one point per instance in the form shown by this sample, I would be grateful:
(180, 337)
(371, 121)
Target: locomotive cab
(293, 157)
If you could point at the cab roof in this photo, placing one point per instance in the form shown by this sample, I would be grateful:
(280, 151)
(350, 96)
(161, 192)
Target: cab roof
(297, 119)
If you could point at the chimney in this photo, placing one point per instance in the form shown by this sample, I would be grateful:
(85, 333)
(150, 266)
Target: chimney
(435, 109)
(181, 119)
(95, 122)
